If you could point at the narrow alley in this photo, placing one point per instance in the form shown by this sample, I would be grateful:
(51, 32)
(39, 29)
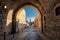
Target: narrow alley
(29, 19)
(30, 34)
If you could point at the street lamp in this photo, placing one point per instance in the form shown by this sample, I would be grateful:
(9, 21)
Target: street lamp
(5, 6)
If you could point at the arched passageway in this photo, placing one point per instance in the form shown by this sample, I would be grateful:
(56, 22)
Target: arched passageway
(50, 21)
(30, 30)
(21, 7)
(14, 19)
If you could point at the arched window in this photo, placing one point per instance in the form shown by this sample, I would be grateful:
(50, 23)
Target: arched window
(57, 10)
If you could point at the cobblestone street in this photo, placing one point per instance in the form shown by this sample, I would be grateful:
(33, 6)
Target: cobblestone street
(27, 34)
(30, 34)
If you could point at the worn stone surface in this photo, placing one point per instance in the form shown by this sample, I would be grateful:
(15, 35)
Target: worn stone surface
(51, 25)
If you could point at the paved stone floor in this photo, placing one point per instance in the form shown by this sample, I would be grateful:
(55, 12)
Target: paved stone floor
(29, 33)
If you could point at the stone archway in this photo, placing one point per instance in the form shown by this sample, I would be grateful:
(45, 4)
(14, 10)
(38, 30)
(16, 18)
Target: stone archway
(15, 13)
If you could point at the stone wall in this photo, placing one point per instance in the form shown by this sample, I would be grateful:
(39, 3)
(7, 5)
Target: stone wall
(51, 26)
(51, 22)
(37, 22)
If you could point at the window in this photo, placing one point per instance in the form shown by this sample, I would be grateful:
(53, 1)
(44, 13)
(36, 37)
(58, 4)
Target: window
(57, 10)
(44, 18)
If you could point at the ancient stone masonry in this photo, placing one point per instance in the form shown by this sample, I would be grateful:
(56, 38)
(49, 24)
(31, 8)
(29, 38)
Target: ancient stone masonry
(0, 21)
(50, 25)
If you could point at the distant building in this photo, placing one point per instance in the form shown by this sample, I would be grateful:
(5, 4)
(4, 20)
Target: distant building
(21, 16)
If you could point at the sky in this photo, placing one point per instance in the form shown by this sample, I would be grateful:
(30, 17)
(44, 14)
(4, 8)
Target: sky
(30, 14)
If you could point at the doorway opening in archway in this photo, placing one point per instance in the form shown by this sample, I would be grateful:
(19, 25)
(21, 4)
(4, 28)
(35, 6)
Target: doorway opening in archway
(28, 20)
(28, 17)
